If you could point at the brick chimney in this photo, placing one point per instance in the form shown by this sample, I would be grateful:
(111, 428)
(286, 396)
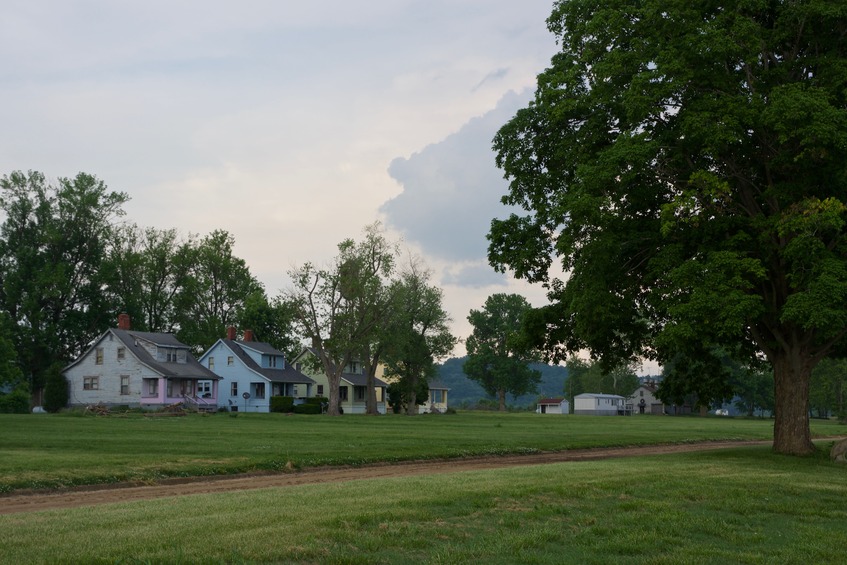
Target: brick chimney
(123, 321)
(230, 333)
(248, 335)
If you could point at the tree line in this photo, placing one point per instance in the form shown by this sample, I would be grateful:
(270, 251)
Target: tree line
(69, 263)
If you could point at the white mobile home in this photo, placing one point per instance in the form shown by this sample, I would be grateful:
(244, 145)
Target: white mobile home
(599, 404)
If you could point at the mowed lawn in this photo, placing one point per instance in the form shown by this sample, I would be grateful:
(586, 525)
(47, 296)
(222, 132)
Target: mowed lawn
(743, 505)
(47, 451)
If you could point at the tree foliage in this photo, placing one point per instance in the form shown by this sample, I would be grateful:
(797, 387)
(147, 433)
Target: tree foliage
(498, 358)
(338, 307)
(686, 163)
(416, 335)
(53, 244)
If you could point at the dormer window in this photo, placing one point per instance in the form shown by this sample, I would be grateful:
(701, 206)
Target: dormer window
(272, 361)
(170, 356)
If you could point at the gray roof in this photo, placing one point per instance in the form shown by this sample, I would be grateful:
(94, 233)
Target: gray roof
(358, 379)
(259, 346)
(288, 374)
(191, 369)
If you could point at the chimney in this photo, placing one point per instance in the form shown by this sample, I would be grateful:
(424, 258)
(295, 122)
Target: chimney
(248, 335)
(123, 321)
(230, 333)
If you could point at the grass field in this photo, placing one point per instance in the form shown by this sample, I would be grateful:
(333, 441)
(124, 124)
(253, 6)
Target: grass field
(744, 505)
(730, 506)
(46, 451)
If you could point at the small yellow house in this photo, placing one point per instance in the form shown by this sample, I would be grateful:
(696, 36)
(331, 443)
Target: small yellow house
(353, 390)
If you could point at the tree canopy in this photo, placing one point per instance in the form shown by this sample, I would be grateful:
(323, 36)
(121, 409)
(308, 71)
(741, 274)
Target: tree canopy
(498, 358)
(686, 161)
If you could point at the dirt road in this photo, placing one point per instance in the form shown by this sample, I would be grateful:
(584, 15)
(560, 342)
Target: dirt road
(105, 494)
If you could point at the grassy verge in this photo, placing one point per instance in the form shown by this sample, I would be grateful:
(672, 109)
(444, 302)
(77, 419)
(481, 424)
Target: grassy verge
(730, 506)
(49, 451)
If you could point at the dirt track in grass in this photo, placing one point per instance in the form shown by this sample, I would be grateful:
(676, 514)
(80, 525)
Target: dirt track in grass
(31, 501)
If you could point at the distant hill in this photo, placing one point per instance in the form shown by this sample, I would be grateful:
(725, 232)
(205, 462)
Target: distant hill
(462, 388)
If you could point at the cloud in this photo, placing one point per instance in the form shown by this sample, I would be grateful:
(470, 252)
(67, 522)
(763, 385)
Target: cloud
(451, 190)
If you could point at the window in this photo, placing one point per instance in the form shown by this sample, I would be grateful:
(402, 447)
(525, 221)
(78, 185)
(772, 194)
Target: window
(354, 367)
(90, 383)
(233, 389)
(230, 360)
(152, 387)
(211, 363)
(170, 356)
(320, 390)
(342, 393)
(641, 392)
(260, 390)
(121, 352)
(272, 361)
(294, 390)
(98, 356)
(359, 391)
(437, 396)
(124, 384)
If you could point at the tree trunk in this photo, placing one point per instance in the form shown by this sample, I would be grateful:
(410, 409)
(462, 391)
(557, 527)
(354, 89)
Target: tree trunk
(334, 394)
(792, 371)
(370, 403)
(501, 395)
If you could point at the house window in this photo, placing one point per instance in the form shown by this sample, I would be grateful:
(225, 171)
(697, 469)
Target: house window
(294, 390)
(152, 387)
(91, 383)
(299, 366)
(211, 363)
(354, 367)
(342, 393)
(272, 361)
(641, 392)
(98, 356)
(320, 390)
(230, 360)
(260, 390)
(170, 388)
(437, 396)
(170, 356)
(359, 391)
(121, 352)
(233, 389)
(124, 384)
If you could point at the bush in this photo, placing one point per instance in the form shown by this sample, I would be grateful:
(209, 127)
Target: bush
(282, 404)
(55, 389)
(308, 408)
(317, 400)
(16, 402)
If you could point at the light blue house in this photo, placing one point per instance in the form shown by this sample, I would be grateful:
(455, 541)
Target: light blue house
(251, 373)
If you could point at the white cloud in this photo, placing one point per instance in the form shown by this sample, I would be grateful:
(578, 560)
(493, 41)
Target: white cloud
(452, 189)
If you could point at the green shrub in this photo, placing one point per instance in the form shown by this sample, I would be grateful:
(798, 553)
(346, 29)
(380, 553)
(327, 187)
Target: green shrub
(55, 389)
(282, 404)
(307, 409)
(317, 400)
(16, 402)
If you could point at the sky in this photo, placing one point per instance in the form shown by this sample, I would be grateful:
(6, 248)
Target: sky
(292, 125)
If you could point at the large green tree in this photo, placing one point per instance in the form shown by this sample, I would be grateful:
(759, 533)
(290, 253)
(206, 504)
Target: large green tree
(53, 243)
(687, 162)
(214, 292)
(339, 308)
(498, 358)
(418, 333)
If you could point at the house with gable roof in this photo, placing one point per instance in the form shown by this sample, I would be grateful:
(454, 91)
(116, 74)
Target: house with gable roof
(140, 369)
(251, 372)
(353, 390)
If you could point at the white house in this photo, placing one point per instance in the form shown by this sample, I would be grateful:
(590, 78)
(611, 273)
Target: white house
(437, 399)
(141, 369)
(553, 406)
(644, 400)
(252, 372)
(599, 404)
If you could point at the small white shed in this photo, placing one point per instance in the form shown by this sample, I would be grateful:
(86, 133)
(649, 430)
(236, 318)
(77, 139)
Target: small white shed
(599, 404)
(553, 406)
